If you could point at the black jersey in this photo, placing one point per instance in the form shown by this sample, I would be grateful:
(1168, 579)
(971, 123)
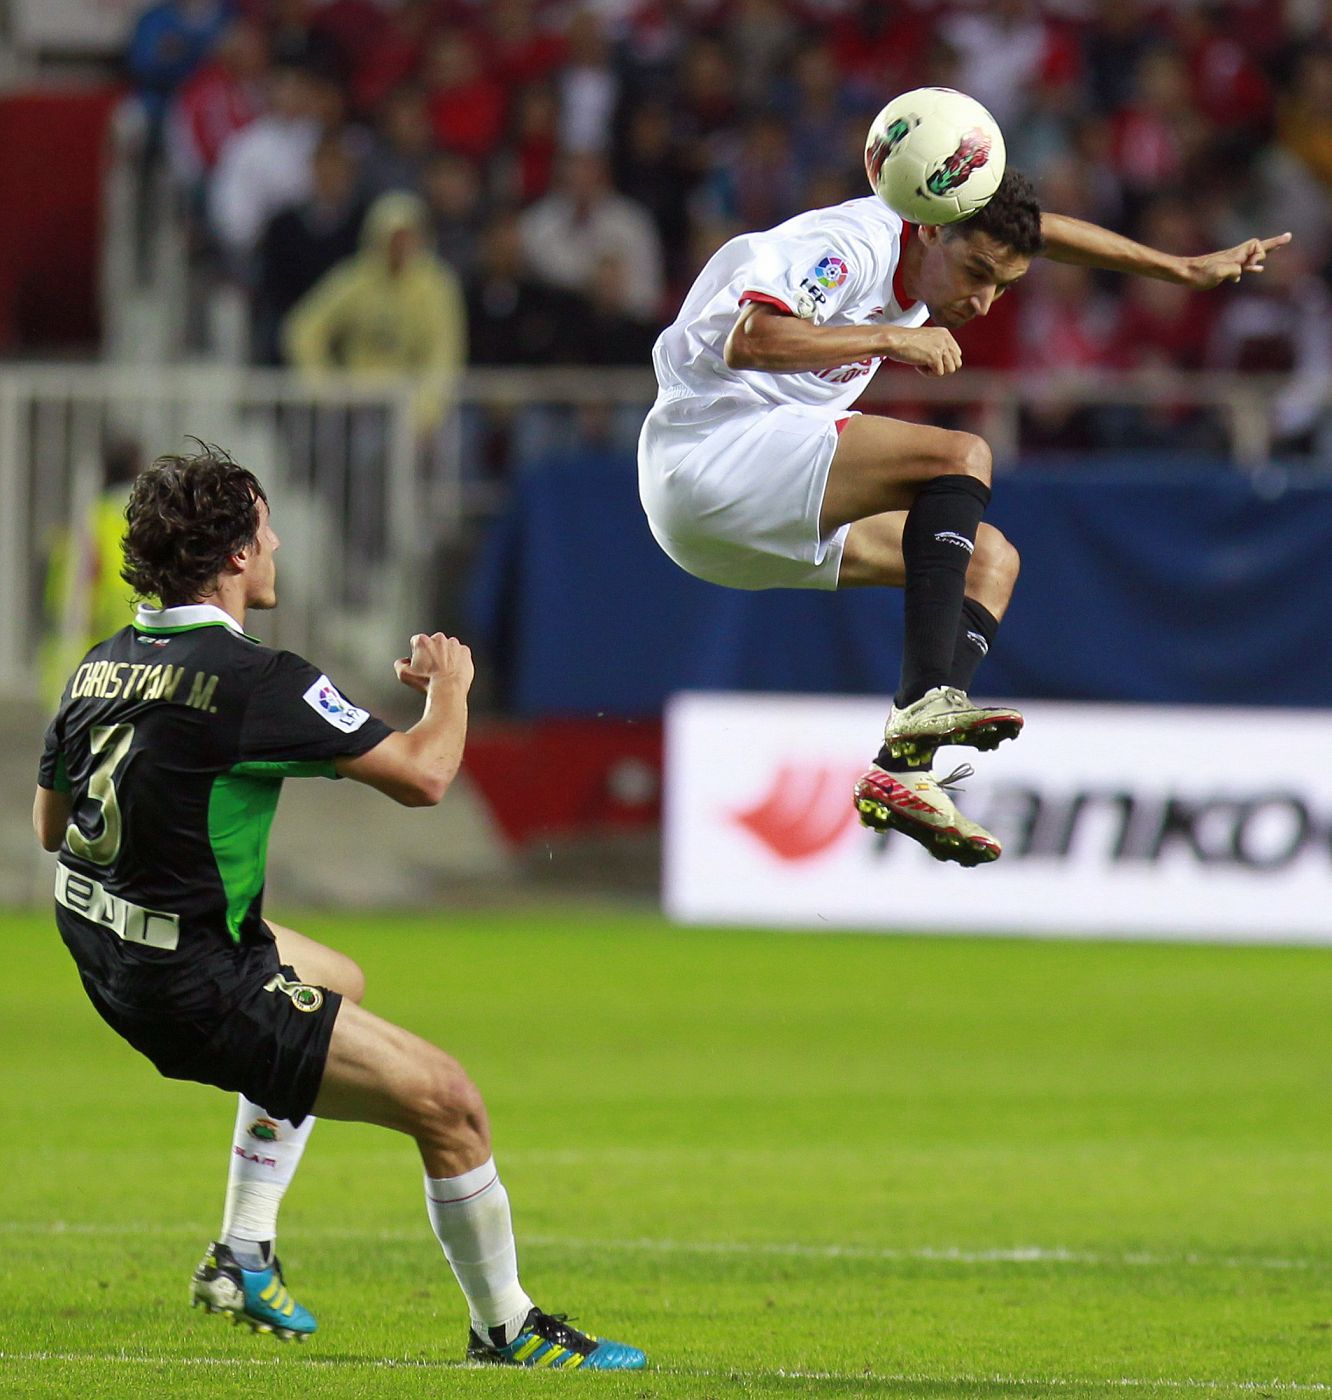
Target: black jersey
(172, 739)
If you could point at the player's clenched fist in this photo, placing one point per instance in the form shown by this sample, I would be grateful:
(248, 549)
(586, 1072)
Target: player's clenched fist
(931, 349)
(435, 657)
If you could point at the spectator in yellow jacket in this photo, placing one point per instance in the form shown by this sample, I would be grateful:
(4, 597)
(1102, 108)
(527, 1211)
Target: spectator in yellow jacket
(85, 599)
(393, 308)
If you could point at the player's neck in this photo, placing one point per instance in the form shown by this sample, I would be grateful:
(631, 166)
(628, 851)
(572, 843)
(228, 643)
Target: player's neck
(912, 254)
(228, 597)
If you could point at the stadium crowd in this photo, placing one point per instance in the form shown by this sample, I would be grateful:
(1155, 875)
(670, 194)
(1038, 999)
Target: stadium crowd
(554, 173)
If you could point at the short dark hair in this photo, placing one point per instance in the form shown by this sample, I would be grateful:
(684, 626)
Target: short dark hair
(186, 516)
(1012, 217)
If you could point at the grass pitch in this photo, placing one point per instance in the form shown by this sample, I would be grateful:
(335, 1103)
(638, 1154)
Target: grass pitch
(785, 1165)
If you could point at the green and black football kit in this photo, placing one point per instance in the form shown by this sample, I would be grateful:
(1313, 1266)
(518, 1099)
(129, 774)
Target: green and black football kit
(173, 738)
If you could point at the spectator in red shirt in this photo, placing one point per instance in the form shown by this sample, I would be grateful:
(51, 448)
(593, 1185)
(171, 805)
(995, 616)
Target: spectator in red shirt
(518, 51)
(466, 104)
(396, 56)
(222, 97)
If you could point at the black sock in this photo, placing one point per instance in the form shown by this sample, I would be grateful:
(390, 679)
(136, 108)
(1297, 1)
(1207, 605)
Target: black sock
(937, 545)
(975, 636)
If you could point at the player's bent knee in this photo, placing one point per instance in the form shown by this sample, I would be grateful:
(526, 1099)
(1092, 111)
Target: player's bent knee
(341, 974)
(446, 1106)
(996, 558)
(974, 457)
(354, 982)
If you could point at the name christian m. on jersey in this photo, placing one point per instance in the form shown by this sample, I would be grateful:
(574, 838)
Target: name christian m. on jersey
(837, 266)
(173, 738)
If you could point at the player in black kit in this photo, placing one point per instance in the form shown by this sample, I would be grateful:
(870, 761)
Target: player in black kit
(157, 786)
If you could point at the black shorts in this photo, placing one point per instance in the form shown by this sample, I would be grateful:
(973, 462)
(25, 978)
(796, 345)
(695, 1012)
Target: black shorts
(267, 1038)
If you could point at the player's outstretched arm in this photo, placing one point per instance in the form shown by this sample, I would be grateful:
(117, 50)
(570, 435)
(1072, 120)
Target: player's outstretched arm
(415, 767)
(764, 338)
(1076, 241)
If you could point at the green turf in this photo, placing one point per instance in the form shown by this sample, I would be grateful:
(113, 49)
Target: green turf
(785, 1165)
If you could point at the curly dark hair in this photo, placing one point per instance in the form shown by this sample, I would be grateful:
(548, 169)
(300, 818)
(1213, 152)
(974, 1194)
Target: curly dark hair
(186, 516)
(1012, 217)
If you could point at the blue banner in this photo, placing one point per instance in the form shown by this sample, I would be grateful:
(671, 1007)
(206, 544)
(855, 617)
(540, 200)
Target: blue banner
(1142, 581)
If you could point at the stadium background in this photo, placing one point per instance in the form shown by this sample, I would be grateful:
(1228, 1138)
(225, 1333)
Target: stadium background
(178, 178)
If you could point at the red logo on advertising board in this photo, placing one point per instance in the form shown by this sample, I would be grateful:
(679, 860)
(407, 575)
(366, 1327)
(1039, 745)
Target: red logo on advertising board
(803, 813)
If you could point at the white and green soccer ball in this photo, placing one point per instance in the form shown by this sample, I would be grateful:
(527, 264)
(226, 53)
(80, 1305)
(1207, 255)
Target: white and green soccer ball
(934, 156)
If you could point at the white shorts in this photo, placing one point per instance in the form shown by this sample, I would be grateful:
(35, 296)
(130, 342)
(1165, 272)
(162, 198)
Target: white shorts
(733, 494)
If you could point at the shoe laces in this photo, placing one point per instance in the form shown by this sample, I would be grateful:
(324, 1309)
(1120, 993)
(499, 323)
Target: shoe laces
(960, 774)
(555, 1327)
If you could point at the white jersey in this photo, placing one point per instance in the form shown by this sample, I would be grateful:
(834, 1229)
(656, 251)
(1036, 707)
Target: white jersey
(836, 266)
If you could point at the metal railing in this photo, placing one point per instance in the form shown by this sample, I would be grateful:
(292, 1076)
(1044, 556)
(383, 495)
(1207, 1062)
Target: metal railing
(365, 502)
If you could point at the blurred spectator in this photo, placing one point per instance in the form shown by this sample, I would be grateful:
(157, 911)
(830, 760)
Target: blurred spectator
(760, 33)
(266, 164)
(534, 145)
(454, 196)
(393, 308)
(1160, 324)
(705, 96)
(466, 104)
(223, 96)
(1281, 323)
(1115, 45)
(85, 599)
(395, 56)
(608, 332)
(817, 105)
(403, 142)
(650, 167)
(304, 241)
(567, 233)
(297, 42)
(1157, 131)
(588, 87)
(1005, 50)
(756, 181)
(519, 51)
(168, 43)
(351, 29)
(1064, 327)
(1305, 123)
(880, 48)
(1228, 87)
(513, 319)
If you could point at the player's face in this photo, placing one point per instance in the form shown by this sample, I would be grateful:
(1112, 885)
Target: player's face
(261, 567)
(961, 275)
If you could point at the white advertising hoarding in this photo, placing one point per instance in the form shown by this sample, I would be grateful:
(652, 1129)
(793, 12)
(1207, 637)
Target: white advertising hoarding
(1116, 820)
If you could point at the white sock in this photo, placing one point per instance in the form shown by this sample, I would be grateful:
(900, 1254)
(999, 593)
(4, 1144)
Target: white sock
(265, 1152)
(470, 1216)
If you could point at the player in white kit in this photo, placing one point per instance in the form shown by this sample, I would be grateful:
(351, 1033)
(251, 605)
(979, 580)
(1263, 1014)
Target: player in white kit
(755, 472)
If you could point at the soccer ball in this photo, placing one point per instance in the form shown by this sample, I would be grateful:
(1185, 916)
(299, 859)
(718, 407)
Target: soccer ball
(934, 156)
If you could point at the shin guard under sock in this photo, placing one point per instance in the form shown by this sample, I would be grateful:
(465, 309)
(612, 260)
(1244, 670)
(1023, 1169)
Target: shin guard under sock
(937, 545)
(975, 636)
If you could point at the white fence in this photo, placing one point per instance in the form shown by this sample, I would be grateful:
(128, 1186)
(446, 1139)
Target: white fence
(365, 505)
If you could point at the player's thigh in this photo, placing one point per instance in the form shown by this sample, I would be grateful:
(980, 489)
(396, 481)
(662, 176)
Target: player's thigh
(317, 964)
(881, 463)
(376, 1072)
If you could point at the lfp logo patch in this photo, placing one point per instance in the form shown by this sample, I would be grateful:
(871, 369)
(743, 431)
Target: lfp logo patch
(323, 698)
(831, 272)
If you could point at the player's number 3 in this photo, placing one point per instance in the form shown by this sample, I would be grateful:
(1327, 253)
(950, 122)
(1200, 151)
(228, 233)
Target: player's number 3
(112, 741)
